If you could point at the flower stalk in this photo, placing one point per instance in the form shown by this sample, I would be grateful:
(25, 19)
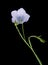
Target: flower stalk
(29, 45)
(23, 31)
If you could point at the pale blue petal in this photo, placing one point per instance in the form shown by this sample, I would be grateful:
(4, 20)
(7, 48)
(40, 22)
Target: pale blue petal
(14, 13)
(20, 16)
(21, 11)
(13, 20)
(27, 16)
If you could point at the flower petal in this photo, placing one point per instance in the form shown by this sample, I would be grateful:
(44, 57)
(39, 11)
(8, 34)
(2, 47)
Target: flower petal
(14, 13)
(21, 11)
(27, 16)
(13, 19)
(20, 16)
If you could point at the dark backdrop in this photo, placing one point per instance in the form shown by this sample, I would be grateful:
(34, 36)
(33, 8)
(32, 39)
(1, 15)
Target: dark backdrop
(13, 49)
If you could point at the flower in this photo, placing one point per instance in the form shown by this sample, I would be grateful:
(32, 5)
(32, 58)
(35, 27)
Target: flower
(19, 16)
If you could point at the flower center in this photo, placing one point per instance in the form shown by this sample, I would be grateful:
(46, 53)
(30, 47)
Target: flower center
(20, 18)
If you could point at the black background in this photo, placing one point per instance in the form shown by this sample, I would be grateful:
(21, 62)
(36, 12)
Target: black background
(13, 49)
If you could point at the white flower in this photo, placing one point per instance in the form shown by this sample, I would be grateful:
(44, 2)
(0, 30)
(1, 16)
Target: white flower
(20, 16)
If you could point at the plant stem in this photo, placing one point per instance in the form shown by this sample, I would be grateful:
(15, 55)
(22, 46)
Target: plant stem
(29, 46)
(36, 56)
(34, 51)
(22, 37)
(23, 31)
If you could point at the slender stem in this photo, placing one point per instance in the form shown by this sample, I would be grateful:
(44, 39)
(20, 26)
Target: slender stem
(29, 42)
(36, 56)
(22, 37)
(34, 51)
(37, 37)
(23, 31)
(29, 46)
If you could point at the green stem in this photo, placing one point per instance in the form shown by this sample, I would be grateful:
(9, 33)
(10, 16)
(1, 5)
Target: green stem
(37, 37)
(34, 51)
(28, 45)
(23, 31)
(22, 37)
(36, 56)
